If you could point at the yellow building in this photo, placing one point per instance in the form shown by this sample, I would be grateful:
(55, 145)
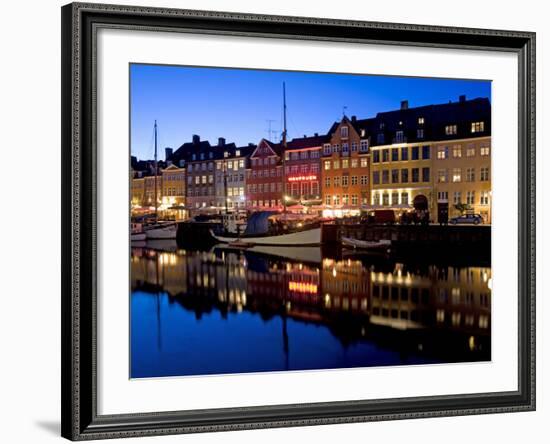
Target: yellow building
(172, 199)
(462, 175)
(401, 175)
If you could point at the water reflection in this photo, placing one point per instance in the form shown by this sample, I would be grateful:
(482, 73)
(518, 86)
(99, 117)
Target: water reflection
(229, 311)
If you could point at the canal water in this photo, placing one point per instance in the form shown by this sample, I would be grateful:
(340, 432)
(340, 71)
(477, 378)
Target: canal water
(228, 311)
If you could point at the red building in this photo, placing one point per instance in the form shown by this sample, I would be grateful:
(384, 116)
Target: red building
(303, 169)
(264, 183)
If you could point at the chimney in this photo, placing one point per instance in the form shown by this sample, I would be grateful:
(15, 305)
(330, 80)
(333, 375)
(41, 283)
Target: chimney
(221, 141)
(251, 144)
(196, 139)
(404, 104)
(353, 118)
(168, 153)
(462, 98)
(316, 134)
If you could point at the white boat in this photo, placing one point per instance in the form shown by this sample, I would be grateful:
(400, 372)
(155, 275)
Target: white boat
(381, 244)
(311, 237)
(161, 231)
(137, 234)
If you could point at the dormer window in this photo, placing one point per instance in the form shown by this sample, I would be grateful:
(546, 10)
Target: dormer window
(238, 153)
(478, 127)
(450, 130)
(363, 133)
(421, 120)
(226, 154)
(382, 125)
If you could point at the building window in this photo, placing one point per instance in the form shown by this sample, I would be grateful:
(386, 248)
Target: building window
(304, 168)
(344, 132)
(385, 155)
(420, 133)
(354, 199)
(376, 199)
(345, 199)
(414, 153)
(385, 199)
(442, 176)
(426, 152)
(336, 164)
(457, 174)
(395, 154)
(415, 174)
(470, 175)
(345, 149)
(336, 199)
(364, 146)
(385, 176)
(328, 199)
(345, 163)
(326, 149)
(450, 130)
(364, 180)
(484, 151)
(395, 198)
(425, 174)
(337, 181)
(354, 180)
(364, 162)
(380, 138)
(353, 147)
(484, 174)
(405, 153)
(470, 197)
(327, 182)
(376, 177)
(405, 198)
(484, 198)
(457, 151)
(345, 180)
(336, 148)
(394, 176)
(354, 163)
(421, 120)
(457, 197)
(327, 165)
(375, 156)
(314, 167)
(404, 175)
(315, 188)
(442, 196)
(443, 152)
(478, 127)
(470, 150)
(399, 136)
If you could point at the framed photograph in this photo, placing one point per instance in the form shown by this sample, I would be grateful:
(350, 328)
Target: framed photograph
(280, 221)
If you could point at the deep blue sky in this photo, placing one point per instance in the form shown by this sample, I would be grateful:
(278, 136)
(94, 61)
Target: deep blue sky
(236, 103)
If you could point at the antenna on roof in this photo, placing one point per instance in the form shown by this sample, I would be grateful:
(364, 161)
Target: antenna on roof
(344, 108)
(271, 132)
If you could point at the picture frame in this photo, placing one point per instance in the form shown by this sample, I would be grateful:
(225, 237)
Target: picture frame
(80, 316)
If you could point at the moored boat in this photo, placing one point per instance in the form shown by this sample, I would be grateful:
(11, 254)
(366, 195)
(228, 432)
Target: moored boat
(137, 234)
(382, 244)
(161, 230)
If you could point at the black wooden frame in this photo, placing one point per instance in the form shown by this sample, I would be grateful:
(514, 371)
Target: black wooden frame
(79, 396)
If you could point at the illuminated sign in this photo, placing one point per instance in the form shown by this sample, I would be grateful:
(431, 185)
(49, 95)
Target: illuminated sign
(302, 287)
(300, 178)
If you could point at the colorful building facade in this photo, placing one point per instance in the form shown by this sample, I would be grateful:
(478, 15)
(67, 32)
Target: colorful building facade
(264, 186)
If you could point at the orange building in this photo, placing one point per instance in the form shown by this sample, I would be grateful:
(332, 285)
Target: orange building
(345, 168)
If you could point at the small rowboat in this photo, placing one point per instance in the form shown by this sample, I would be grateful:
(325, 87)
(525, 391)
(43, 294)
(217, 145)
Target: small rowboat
(240, 244)
(382, 244)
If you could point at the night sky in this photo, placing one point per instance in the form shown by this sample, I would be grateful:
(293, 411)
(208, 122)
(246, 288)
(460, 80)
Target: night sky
(237, 103)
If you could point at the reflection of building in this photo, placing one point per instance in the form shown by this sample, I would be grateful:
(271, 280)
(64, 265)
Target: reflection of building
(264, 181)
(345, 285)
(345, 168)
(302, 169)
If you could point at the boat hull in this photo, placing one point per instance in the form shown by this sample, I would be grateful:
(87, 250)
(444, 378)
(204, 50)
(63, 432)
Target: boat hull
(366, 245)
(167, 232)
(301, 238)
(137, 237)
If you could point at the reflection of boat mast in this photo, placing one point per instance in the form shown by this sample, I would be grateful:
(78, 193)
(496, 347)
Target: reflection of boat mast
(156, 172)
(159, 329)
(285, 339)
(284, 148)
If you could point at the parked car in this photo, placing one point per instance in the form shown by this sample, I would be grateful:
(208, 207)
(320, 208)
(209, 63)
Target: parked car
(467, 219)
(415, 217)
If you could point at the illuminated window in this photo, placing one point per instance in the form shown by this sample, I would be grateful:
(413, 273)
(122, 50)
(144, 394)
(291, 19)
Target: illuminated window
(336, 199)
(484, 151)
(443, 152)
(354, 163)
(405, 198)
(478, 127)
(442, 176)
(456, 197)
(345, 199)
(484, 198)
(354, 199)
(421, 120)
(457, 174)
(395, 198)
(457, 151)
(345, 163)
(364, 162)
(336, 164)
(450, 130)
(327, 165)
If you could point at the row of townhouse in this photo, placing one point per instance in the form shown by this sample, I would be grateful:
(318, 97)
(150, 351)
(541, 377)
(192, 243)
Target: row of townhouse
(433, 157)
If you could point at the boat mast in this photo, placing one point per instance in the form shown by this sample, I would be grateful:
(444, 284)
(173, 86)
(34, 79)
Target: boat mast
(156, 171)
(284, 148)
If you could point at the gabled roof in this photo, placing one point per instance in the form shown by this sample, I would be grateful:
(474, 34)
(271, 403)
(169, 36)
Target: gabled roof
(308, 142)
(275, 147)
